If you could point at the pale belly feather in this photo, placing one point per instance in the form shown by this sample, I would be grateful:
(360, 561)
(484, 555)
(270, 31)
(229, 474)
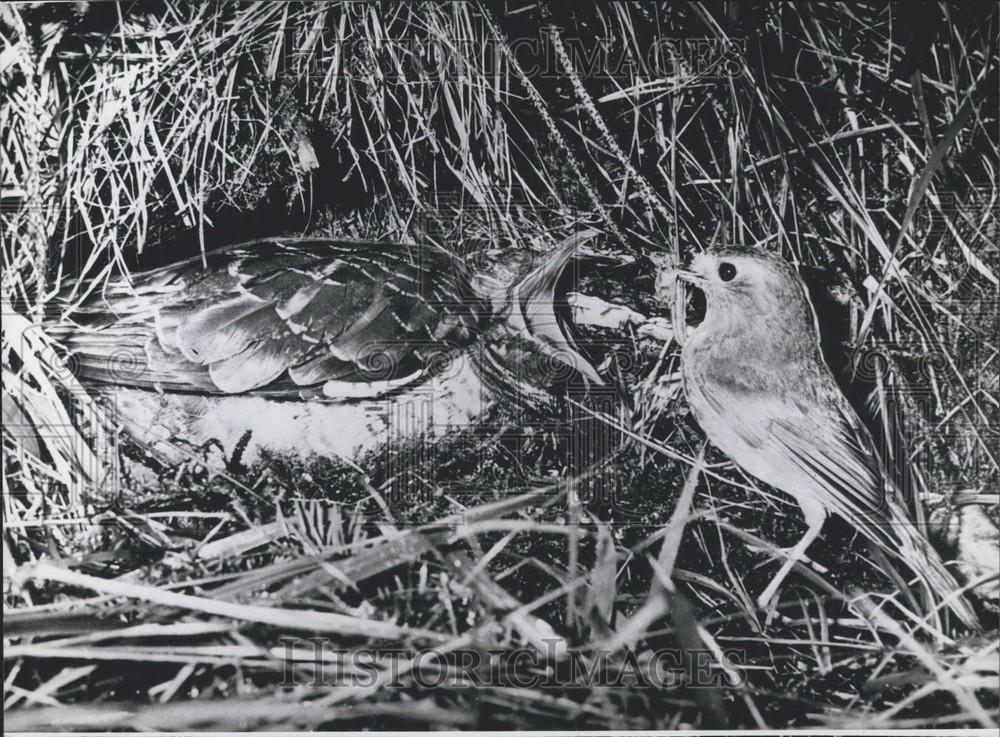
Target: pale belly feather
(443, 404)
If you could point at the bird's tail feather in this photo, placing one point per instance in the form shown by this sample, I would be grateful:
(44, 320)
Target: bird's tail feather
(925, 562)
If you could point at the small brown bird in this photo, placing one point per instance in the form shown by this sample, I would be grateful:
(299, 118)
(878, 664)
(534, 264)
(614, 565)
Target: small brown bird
(758, 385)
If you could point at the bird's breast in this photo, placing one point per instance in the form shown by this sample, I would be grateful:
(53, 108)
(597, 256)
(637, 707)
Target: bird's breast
(444, 403)
(717, 381)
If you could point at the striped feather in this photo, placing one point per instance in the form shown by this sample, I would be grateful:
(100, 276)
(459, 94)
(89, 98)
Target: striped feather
(277, 316)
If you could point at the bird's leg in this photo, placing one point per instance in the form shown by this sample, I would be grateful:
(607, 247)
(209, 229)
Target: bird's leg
(793, 556)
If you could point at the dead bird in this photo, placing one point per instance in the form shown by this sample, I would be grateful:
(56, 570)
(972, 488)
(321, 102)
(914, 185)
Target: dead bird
(319, 345)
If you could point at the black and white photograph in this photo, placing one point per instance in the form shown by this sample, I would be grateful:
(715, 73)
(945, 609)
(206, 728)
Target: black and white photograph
(467, 367)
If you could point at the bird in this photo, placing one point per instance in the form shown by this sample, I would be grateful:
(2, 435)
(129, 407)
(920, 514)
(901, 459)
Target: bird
(318, 345)
(757, 384)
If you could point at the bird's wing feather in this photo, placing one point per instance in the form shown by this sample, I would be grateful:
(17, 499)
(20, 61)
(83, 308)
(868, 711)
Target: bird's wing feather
(827, 441)
(819, 434)
(280, 317)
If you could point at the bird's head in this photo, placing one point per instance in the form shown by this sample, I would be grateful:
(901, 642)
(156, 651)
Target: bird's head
(740, 287)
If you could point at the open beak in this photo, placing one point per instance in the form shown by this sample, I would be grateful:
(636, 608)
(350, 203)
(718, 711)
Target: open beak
(667, 279)
(678, 314)
(688, 276)
(670, 287)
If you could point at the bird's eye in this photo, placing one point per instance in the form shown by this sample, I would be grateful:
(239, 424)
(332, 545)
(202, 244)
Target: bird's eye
(726, 271)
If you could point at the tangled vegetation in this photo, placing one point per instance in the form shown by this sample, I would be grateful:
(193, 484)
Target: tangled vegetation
(512, 591)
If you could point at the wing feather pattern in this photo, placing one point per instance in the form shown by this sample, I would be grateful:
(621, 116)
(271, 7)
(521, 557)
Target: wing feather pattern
(842, 462)
(821, 443)
(281, 317)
